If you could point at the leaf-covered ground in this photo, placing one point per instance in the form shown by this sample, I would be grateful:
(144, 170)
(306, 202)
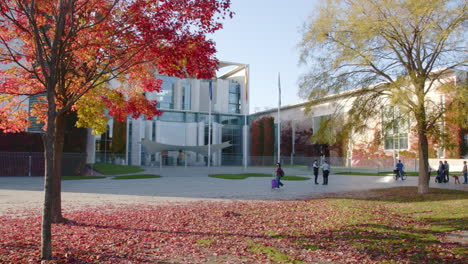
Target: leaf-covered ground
(333, 230)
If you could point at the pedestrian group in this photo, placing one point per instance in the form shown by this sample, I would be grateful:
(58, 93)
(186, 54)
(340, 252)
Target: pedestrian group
(325, 171)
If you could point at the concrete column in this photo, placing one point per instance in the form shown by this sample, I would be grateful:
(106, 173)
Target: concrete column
(178, 95)
(195, 95)
(90, 147)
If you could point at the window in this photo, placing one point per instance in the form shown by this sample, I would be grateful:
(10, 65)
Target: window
(165, 98)
(395, 128)
(232, 155)
(172, 116)
(234, 98)
(190, 117)
(186, 95)
(230, 120)
(318, 122)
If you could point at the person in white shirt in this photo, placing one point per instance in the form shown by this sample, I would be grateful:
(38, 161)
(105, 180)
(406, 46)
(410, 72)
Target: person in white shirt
(326, 171)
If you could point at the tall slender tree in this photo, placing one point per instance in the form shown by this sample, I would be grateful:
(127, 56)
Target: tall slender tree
(70, 50)
(408, 46)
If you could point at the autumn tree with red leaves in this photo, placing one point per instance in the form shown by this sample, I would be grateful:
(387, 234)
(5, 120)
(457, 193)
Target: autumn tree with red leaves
(70, 50)
(268, 136)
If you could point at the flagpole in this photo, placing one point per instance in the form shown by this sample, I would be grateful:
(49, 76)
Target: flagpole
(246, 127)
(279, 118)
(209, 123)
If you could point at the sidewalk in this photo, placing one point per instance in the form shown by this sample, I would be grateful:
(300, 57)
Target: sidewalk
(179, 184)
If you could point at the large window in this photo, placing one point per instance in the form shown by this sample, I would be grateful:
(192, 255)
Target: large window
(234, 98)
(318, 122)
(186, 95)
(166, 97)
(232, 155)
(231, 120)
(395, 128)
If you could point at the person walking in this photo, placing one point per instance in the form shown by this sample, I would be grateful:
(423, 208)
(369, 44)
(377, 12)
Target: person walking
(440, 172)
(399, 167)
(446, 171)
(279, 173)
(326, 171)
(465, 172)
(316, 167)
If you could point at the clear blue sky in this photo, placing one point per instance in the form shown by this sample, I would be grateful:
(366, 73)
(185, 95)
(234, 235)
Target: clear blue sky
(264, 34)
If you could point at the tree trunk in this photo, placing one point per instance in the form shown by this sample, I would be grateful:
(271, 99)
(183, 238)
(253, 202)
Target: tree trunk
(423, 180)
(46, 232)
(56, 201)
(423, 145)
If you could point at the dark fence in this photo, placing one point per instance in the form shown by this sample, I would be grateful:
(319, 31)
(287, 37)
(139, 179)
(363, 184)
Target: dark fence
(32, 164)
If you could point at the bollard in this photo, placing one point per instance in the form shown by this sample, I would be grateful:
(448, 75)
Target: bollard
(30, 164)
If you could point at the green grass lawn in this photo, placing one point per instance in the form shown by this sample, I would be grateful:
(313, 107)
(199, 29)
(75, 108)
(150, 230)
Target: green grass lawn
(113, 169)
(70, 178)
(246, 175)
(239, 176)
(295, 178)
(137, 176)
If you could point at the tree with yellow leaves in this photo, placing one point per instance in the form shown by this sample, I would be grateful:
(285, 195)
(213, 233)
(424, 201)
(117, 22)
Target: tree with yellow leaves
(397, 53)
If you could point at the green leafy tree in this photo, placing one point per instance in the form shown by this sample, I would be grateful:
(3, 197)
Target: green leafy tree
(396, 52)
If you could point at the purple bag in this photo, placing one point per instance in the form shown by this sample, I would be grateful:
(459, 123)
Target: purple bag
(274, 183)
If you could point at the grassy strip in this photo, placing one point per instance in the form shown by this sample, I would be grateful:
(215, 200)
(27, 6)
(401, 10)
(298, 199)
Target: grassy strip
(246, 175)
(113, 169)
(294, 178)
(137, 176)
(238, 176)
(71, 178)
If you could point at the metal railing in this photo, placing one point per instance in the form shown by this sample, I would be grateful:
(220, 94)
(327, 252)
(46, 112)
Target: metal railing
(32, 164)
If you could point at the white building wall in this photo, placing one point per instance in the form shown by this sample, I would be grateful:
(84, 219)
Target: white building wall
(222, 96)
(201, 138)
(195, 95)
(178, 95)
(204, 98)
(137, 128)
(216, 155)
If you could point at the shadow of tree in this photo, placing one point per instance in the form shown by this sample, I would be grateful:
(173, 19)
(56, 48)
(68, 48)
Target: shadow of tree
(397, 194)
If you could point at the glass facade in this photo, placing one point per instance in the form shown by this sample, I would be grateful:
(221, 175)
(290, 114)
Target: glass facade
(166, 97)
(232, 155)
(175, 117)
(234, 98)
(172, 116)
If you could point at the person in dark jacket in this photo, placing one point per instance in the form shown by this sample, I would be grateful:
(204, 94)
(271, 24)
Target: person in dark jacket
(316, 168)
(440, 172)
(446, 171)
(279, 173)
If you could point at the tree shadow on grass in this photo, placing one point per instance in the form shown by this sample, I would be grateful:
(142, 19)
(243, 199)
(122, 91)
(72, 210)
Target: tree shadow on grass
(398, 194)
(387, 244)
(377, 242)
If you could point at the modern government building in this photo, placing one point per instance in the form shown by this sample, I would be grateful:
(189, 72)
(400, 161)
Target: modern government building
(181, 134)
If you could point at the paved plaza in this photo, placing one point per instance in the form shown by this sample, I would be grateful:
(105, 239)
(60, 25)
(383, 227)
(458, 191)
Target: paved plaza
(179, 184)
